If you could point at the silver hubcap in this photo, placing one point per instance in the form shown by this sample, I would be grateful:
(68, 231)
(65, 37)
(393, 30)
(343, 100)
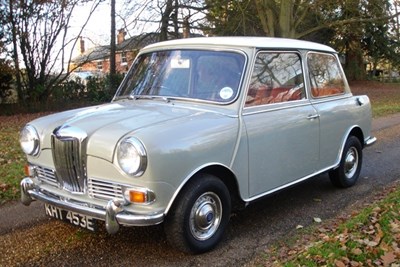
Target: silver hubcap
(205, 216)
(351, 163)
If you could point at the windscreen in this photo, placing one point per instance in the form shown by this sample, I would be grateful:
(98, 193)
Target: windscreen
(191, 74)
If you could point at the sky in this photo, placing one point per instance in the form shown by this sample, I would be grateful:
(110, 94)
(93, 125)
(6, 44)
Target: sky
(97, 31)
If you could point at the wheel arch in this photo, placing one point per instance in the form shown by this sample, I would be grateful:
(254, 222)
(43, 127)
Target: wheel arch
(221, 172)
(357, 132)
(347, 172)
(354, 131)
(230, 181)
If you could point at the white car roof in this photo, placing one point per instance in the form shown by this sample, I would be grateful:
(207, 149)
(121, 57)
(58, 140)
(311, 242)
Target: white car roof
(254, 42)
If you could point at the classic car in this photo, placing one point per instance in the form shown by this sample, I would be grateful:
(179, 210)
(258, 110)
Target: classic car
(199, 127)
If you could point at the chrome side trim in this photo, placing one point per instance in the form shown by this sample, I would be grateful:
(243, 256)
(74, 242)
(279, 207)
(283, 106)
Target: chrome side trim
(114, 214)
(275, 106)
(368, 142)
(290, 184)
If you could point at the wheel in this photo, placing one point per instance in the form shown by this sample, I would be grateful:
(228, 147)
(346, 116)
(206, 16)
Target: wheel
(198, 218)
(347, 173)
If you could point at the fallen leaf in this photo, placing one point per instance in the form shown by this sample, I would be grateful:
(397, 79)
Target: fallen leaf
(388, 258)
(360, 241)
(4, 187)
(317, 220)
(396, 247)
(355, 264)
(377, 209)
(379, 234)
(324, 237)
(323, 230)
(299, 227)
(370, 243)
(339, 263)
(345, 260)
(356, 251)
(373, 219)
(395, 227)
(370, 232)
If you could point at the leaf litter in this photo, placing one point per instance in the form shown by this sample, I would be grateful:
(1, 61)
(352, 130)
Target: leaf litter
(370, 237)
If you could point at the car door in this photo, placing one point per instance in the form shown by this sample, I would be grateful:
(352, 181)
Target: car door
(331, 97)
(282, 126)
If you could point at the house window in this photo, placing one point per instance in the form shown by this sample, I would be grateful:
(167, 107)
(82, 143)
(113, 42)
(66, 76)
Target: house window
(99, 65)
(124, 60)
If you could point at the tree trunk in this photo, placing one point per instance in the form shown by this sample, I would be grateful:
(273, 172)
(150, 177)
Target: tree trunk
(285, 19)
(165, 17)
(20, 93)
(354, 67)
(266, 17)
(112, 49)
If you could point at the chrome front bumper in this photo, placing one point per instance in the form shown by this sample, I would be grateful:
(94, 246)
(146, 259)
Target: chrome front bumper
(114, 214)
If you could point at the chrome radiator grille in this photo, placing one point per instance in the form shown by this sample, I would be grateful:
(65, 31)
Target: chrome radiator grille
(69, 160)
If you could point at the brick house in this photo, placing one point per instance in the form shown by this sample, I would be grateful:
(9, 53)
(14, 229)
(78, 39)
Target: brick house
(96, 61)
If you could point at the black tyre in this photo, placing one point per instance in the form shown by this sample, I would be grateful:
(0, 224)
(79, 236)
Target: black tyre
(347, 173)
(198, 218)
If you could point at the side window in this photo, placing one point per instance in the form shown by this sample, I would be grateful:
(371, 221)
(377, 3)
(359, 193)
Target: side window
(277, 77)
(325, 75)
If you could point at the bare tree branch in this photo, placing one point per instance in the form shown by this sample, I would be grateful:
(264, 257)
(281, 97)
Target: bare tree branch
(344, 22)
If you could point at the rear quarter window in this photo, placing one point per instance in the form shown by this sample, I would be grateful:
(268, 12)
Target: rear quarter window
(325, 74)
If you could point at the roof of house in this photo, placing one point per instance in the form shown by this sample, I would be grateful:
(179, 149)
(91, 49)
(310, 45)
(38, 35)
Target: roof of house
(130, 44)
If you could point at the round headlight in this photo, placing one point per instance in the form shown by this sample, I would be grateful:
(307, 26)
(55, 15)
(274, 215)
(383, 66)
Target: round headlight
(131, 156)
(29, 140)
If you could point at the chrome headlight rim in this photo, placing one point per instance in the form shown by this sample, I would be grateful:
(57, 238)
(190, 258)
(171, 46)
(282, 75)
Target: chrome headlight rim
(132, 166)
(29, 140)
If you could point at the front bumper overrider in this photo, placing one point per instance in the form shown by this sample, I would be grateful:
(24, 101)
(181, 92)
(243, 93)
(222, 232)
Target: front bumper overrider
(113, 214)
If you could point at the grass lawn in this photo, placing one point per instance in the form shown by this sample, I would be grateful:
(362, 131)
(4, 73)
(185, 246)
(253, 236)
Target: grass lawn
(370, 237)
(12, 159)
(385, 98)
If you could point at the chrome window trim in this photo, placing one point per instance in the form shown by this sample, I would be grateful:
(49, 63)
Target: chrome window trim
(342, 74)
(251, 68)
(200, 48)
(275, 107)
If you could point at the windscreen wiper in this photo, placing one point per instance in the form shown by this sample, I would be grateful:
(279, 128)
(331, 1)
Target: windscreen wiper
(151, 97)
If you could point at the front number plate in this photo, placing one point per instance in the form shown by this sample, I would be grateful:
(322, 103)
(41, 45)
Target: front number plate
(74, 218)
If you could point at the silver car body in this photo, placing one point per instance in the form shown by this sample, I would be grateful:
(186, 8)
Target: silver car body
(256, 149)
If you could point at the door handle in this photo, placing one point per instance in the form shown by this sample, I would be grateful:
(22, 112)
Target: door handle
(360, 101)
(312, 117)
